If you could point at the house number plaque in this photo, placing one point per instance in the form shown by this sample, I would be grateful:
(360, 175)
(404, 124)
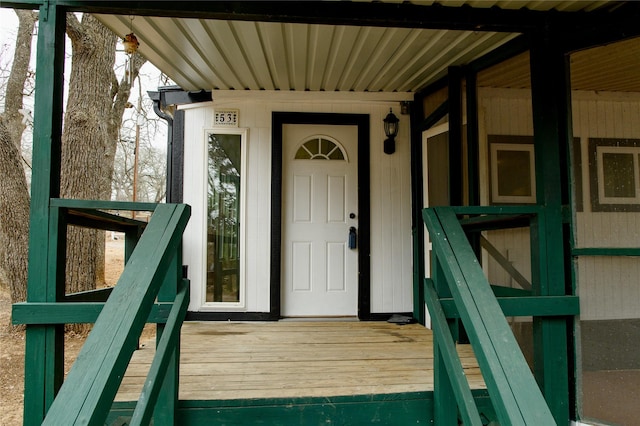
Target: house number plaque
(226, 117)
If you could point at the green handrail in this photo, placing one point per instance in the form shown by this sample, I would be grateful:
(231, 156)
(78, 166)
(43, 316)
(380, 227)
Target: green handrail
(88, 392)
(513, 390)
(453, 364)
(164, 351)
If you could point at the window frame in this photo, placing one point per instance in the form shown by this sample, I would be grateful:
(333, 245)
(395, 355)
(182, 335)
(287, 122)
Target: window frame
(318, 156)
(597, 148)
(240, 305)
(510, 143)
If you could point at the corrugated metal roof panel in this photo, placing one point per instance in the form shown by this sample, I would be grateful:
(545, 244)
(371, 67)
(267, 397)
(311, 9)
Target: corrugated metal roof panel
(243, 55)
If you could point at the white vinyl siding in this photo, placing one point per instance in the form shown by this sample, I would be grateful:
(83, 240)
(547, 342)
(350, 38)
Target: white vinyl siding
(390, 185)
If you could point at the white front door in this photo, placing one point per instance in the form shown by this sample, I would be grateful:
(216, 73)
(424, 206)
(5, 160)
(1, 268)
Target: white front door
(320, 200)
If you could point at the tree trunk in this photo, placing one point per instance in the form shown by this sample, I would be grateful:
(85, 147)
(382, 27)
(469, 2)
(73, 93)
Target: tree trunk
(85, 138)
(14, 210)
(14, 192)
(89, 140)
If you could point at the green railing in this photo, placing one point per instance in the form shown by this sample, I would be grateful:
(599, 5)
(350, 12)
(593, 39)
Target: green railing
(151, 289)
(459, 289)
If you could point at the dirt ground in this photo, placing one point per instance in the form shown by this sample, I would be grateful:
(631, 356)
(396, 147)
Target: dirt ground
(12, 342)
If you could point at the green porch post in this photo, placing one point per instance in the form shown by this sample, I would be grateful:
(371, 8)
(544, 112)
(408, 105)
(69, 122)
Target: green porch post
(456, 185)
(44, 353)
(551, 102)
(166, 409)
(417, 188)
(445, 407)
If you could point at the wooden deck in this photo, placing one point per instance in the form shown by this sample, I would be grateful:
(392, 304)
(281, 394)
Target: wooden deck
(224, 360)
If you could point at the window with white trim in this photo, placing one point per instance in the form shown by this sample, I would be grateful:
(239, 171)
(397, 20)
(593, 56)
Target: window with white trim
(320, 148)
(615, 174)
(512, 166)
(224, 218)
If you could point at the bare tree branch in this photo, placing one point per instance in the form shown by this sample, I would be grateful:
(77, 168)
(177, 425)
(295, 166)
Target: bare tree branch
(74, 28)
(14, 118)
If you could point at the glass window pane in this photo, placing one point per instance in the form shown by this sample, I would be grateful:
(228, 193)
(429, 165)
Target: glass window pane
(619, 180)
(302, 154)
(319, 149)
(325, 146)
(336, 154)
(514, 173)
(223, 218)
(313, 146)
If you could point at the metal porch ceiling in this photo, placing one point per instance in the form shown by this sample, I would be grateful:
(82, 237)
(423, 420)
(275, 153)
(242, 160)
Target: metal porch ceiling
(247, 55)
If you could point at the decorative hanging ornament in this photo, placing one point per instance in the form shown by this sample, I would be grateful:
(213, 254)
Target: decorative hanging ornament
(130, 43)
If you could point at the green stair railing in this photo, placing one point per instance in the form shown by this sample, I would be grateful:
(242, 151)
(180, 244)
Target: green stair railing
(459, 289)
(151, 289)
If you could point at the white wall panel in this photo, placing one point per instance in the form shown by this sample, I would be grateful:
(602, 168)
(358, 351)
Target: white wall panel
(391, 249)
(194, 187)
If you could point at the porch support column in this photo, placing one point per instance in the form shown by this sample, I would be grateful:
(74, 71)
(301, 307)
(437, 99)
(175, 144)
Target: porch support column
(551, 102)
(473, 139)
(417, 190)
(44, 353)
(456, 150)
(473, 152)
(166, 406)
(455, 137)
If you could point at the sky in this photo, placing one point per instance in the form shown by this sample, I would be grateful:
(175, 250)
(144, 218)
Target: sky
(150, 76)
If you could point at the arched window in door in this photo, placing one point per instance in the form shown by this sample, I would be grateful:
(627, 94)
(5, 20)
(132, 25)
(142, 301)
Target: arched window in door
(320, 148)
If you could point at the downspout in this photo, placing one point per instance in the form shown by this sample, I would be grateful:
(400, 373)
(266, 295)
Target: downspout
(156, 97)
(165, 103)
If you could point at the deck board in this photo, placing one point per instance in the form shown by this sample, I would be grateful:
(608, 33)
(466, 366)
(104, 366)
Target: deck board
(225, 360)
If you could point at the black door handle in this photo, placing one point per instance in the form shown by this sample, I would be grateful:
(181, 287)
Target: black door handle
(353, 238)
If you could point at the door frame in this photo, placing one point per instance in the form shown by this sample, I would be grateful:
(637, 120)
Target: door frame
(279, 119)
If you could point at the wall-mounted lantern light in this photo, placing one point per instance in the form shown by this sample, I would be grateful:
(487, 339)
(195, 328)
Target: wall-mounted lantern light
(391, 130)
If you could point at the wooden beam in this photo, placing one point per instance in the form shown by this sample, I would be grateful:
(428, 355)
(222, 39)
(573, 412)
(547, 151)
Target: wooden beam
(99, 295)
(102, 204)
(395, 408)
(417, 204)
(450, 358)
(378, 14)
(163, 362)
(599, 30)
(87, 394)
(96, 219)
(44, 347)
(166, 401)
(551, 104)
(60, 313)
(532, 306)
(401, 15)
(434, 117)
(473, 139)
(505, 263)
(605, 251)
(513, 390)
(508, 50)
(456, 185)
